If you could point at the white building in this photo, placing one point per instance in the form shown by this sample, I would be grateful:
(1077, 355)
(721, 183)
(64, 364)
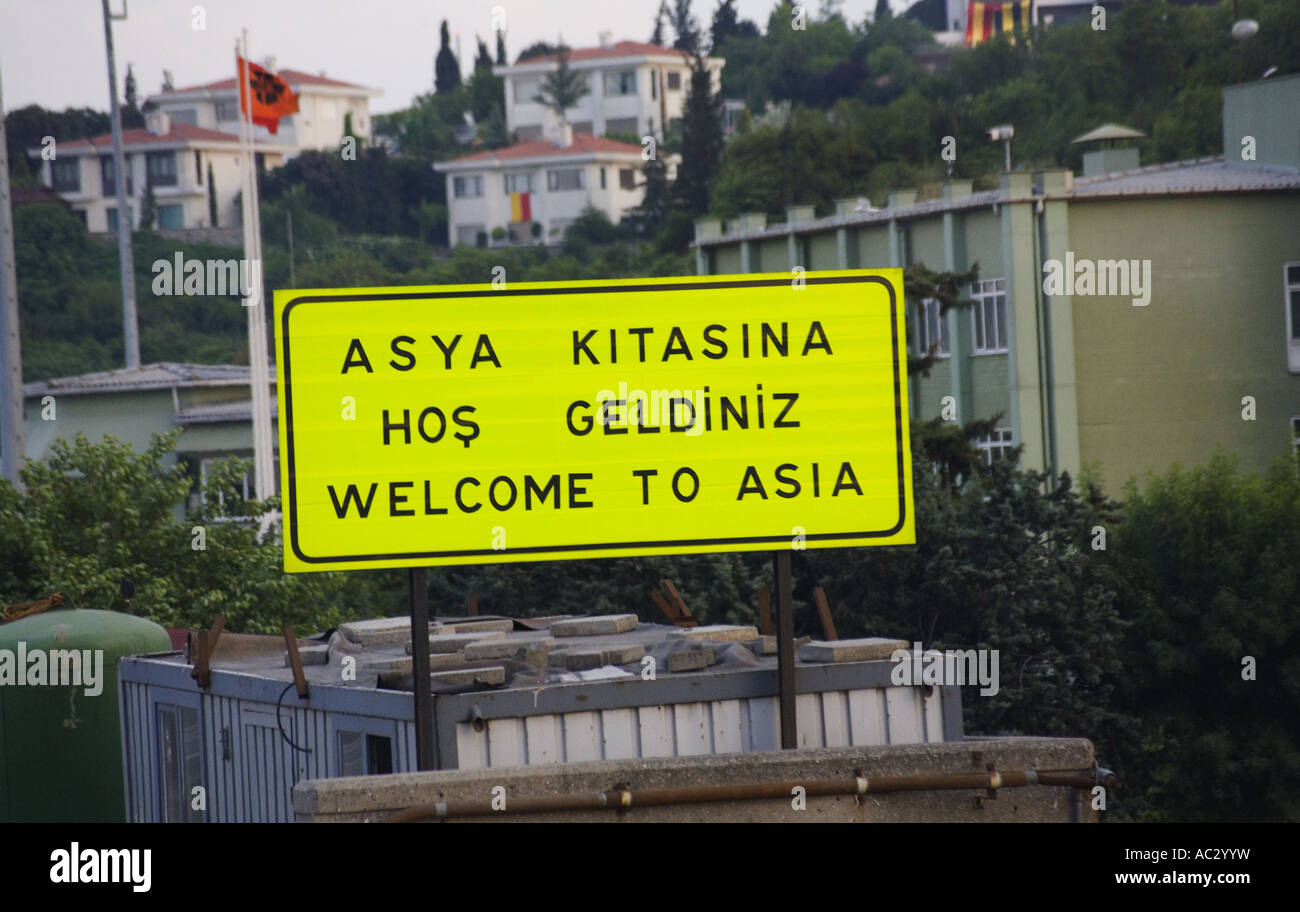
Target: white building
(556, 179)
(634, 88)
(174, 157)
(323, 105)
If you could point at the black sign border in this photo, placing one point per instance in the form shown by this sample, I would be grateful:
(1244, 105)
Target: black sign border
(589, 289)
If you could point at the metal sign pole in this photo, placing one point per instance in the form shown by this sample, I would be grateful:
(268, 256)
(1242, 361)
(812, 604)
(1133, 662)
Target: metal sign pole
(419, 578)
(785, 648)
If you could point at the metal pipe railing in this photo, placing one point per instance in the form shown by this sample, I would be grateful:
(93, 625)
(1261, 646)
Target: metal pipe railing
(620, 797)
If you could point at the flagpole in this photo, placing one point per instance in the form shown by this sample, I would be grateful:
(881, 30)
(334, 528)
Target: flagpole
(259, 373)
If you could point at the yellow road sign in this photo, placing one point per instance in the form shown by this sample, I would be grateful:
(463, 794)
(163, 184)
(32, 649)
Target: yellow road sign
(467, 424)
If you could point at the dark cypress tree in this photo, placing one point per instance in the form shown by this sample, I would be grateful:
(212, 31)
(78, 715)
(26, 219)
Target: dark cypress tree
(883, 11)
(658, 36)
(212, 199)
(446, 69)
(725, 23)
(685, 26)
(702, 140)
(501, 48)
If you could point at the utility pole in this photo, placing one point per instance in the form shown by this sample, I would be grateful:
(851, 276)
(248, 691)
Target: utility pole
(13, 420)
(130, 329)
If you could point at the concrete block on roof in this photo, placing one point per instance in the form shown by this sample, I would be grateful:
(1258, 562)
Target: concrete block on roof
(623, 653)
(472, 625)
(718, 632)
(311, 655)
(578, 659)
(691, 659)
(377, 632)
(601, 625)
(506, 648)
(863, 650)
(492, 676)
(455, 642)
(764, 645)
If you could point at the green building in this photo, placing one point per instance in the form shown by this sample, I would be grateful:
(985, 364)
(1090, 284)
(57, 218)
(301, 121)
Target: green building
(1124, 319)
(210, 402)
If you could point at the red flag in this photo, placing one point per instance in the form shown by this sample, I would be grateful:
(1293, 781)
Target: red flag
(271, 95)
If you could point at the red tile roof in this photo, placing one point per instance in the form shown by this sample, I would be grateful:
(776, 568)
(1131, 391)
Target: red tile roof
(619, 49)
(583, 144)
(139, 136)
(293, 77)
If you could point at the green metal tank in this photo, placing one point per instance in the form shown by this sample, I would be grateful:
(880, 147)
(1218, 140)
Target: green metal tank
(60, 740)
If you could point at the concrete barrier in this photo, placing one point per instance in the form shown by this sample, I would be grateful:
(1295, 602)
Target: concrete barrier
(375, 798)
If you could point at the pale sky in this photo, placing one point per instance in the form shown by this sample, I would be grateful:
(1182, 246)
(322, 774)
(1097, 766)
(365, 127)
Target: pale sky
(52, 51)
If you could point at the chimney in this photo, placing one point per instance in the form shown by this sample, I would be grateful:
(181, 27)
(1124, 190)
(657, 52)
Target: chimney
(157, 123)
(268, 64)
(606, 40)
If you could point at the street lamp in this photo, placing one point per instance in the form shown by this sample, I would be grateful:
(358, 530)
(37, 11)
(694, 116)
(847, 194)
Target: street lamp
(1003, 132)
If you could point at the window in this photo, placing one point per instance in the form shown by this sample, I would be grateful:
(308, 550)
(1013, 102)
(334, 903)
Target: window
(106, 175)
(1295, 434)
(602, 178)
(528, 134)
(180, 762)
(227, 111)
(582, 126)
(468, 186)
(989, 316)
(198, 168)
(66, 175)
(112, 217)
(467, 235)
(566, 179)
(674, 82)
(526, 89)
(521, 182)
(620, 125)
(996, 447)
(931, 329)
(361, 754)
(184, 116)
(620, 82)
(1291, 278)
(171, 217)
(161, 168)
(654, 84)
(627, 178)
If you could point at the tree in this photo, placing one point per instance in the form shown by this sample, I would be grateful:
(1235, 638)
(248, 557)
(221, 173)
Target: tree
(702, 139)
(148, 206)
(661, 16)
(501, 48)
(486, 92)
(562, 88)
(883, 12)
(446, 67)
(685, 27)
(95, 513)
(539, 49)
(646, 219)
(1211, 584)
(213, 216)
(131, 115)
(725, 23)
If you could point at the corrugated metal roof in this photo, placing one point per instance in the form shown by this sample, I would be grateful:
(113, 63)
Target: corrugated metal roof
(1197, 176)
(1202, 175)
(163, 375)
(217, 412)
